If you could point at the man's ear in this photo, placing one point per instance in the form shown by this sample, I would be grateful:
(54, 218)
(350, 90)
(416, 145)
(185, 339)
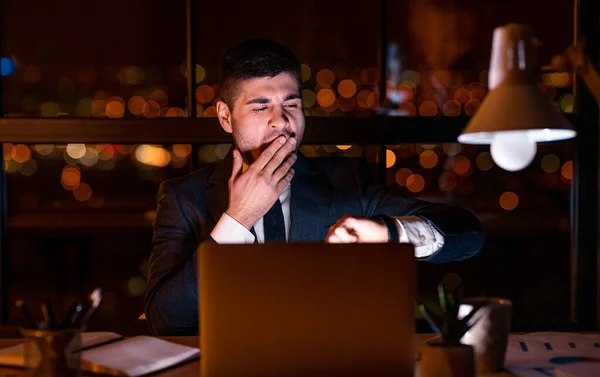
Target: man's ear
(224, 115)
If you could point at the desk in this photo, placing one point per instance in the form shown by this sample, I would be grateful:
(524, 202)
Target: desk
(192, 369)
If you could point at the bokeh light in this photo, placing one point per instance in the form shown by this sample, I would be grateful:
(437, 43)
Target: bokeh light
(160, 97)
(115, 109)
(428, 159)
(152, 155)
(550, 163)
(326, 97)
(200, 73)
(428, 109)
(82, 192)
(461, 165)
(204, 94)
(28, 168)
(390, 158)
(98, 108)
(90, 158)
(447, 181)
(567, 170)
(8, 67)
(405, 92)
(7, 149)
(50, 109)
(451, 108)
(84, 108)
(135, 105)
(136, 286)
(402, 176)
(471, 106)
(462, 95)
(76, 151)
(305, 72)
(415, 183)
(407, 109)
(509, 201)
(477, 90)
(182, 150)
(347, 88)
(484, 161)
(566, 102)
(106, 152)
(361, 98)
(70, 177)
(210, 112)
(151, 109)
(308, 98)
(20, 153)
(452, 149)
(370, 76)
(44, 149)
(325, 77)
(412, 76)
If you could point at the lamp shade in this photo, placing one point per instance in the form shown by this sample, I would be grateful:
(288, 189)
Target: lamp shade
(515, 106)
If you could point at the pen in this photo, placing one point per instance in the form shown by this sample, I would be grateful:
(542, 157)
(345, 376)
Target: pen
(72, 315)
(49, 315)
(95, 299)
(20, 304)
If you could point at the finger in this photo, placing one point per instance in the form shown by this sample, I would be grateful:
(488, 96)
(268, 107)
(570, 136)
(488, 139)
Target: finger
(268, 153)
(283, 182)
(332, 238)
(344, 235)
(237, 164)
(282, 170)
(280, 156)
(350, 223)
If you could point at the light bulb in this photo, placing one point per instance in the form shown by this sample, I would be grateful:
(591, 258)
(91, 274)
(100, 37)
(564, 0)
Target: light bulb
(513, 150)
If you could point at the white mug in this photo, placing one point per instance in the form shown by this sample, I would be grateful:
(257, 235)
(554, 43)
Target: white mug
(489, 334)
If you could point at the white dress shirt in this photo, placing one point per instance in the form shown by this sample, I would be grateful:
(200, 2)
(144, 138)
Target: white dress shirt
(425, 238)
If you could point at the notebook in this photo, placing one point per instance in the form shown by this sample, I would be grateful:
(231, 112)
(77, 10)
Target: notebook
(109, 354)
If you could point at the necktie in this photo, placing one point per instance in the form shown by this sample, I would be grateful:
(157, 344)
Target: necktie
(273, 224)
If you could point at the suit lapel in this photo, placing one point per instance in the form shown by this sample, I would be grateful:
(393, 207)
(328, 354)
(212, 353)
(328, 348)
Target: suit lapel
(311, 206)
(218, 189)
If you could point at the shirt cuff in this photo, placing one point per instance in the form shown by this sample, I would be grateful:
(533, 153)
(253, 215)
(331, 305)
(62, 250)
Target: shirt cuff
(424, 237)
(228, 230)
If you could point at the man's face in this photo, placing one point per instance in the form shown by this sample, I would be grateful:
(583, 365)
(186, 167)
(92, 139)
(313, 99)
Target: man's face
(264, 109)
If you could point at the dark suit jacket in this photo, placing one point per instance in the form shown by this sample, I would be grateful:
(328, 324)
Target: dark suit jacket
(323, 190)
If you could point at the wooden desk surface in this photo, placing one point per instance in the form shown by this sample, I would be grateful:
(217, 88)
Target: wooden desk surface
(192, 369)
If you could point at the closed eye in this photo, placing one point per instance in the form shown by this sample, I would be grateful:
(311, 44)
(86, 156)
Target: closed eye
(258, 110)
(293, 105)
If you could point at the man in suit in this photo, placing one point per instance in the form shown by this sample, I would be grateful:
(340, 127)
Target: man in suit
(265, 190)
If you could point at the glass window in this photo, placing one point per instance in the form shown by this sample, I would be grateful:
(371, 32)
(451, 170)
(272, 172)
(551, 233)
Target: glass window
(81, 214)
(109, 59)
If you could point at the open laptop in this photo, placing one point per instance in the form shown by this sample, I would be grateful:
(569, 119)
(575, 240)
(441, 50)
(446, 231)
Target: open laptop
(306, 309)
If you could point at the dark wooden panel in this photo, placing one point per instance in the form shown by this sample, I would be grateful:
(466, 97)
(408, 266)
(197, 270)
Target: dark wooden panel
(319, 130)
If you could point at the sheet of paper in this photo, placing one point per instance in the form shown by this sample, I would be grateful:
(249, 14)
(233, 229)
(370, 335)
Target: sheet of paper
(136, 356)
(549, 354)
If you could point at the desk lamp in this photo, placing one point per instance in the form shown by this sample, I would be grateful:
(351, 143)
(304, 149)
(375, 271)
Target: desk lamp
(515, 115)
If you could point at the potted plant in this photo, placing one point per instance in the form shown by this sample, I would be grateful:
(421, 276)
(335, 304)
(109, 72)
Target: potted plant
(446, 356)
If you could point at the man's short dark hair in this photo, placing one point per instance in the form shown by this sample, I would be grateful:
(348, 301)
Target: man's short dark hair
(254, 58)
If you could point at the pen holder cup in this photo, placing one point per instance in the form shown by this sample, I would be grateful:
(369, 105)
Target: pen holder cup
(52, 353)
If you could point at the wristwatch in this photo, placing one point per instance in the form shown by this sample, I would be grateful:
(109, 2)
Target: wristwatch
(393, 234)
